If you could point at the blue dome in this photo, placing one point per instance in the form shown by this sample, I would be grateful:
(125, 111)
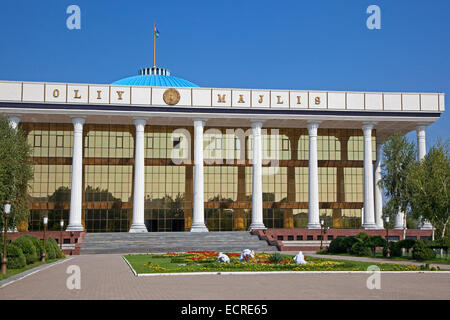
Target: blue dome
(154, 80)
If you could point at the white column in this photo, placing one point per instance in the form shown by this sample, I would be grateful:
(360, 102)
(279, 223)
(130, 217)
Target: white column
(399, 222)
(421, 152)
(77, 175)
(369, 214)
(198, 216)
(421, 143)
(378, 190)
(313, 178)
(14, 123)
(138, 224)
(257, 201)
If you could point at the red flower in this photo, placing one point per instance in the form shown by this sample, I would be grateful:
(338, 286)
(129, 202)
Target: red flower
(234, 254)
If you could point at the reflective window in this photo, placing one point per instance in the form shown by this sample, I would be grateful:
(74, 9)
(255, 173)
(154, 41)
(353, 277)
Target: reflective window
(108, 176)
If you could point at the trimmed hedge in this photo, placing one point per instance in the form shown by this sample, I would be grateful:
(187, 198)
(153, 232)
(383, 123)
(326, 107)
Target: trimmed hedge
(338, 245)
(394, 249)
(57, 252)
(28, 249)
(36, 242)
(15, 256)
(361, 245)
(361, 249)
(364, 245)
(421, 251)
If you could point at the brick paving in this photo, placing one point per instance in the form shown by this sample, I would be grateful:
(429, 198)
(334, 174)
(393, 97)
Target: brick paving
(109, 277)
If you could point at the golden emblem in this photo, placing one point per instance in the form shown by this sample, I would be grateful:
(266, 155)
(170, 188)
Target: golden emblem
(171, 96)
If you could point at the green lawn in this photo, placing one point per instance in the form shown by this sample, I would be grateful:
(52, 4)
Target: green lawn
(12, 272)
(205, 262)
(379, 255)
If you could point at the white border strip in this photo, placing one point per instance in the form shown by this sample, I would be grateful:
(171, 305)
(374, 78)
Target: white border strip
(276, 272)
(36, 271)
(129, 264)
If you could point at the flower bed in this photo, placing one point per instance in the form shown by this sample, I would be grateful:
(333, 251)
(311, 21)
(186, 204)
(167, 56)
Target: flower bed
(205, 261)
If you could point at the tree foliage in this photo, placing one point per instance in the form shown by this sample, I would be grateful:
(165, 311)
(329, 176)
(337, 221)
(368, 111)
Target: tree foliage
(429, 188)
(399, 156)
(15, 172)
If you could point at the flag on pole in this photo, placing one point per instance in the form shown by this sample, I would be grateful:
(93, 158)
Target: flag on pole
(156, 32)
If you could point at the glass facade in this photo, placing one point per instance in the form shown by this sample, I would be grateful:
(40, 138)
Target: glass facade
(108, 159)
(107, 177)
(49, 192)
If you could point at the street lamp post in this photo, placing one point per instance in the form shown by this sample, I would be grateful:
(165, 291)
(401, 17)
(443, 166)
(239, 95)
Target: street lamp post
(61, 224)
(386, 219)
(44, 253)
(321, 233)
(5, 233)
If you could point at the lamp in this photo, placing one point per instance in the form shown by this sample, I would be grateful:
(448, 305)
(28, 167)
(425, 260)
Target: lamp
(386, 220)
(7, 208)
(61, 224)
(6, 212)
(44, 253)
(321, 233)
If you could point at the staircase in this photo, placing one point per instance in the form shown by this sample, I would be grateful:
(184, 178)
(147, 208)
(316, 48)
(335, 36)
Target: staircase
(154, 242)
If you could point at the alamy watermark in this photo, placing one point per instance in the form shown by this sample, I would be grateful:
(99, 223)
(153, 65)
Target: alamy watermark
(74, 280)
(374, 281)
(374, 20)
(74, 20)
(231, 146)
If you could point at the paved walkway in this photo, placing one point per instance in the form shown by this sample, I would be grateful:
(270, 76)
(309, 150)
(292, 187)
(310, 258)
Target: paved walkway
(109, 277)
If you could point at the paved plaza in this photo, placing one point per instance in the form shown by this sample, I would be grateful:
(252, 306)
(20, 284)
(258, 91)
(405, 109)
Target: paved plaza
(109, 277)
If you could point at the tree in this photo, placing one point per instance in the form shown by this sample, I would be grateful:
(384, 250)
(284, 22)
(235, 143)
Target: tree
(429, 188)
(398, 157)
(16, 172)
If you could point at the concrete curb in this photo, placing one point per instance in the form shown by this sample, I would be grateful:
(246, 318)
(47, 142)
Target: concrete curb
(29, 272)
(276, 272)
(129, 264)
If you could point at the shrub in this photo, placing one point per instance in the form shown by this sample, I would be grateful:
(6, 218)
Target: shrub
(406, 243)
(361, 249)
(421, 252)
(338, 245)
(36, 242)
(15, 256)
(363, 236)
(349, 242)
(55, 246)
(28, 249)
(49, 249)
(375, 241)
(443, 242)
(275, 258)
(395, 248)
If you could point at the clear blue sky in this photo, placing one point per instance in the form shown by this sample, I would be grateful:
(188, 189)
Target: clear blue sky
(323, 45)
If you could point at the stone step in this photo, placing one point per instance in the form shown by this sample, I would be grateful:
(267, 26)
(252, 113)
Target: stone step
(96, 243)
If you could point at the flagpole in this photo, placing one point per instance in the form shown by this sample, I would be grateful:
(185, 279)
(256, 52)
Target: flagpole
(154, 45)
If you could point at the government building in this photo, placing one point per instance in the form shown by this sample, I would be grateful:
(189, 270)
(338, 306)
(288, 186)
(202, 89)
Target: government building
(154, 152)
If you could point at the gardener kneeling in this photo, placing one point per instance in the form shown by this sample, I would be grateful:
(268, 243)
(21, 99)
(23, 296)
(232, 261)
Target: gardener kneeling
(222, 257)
